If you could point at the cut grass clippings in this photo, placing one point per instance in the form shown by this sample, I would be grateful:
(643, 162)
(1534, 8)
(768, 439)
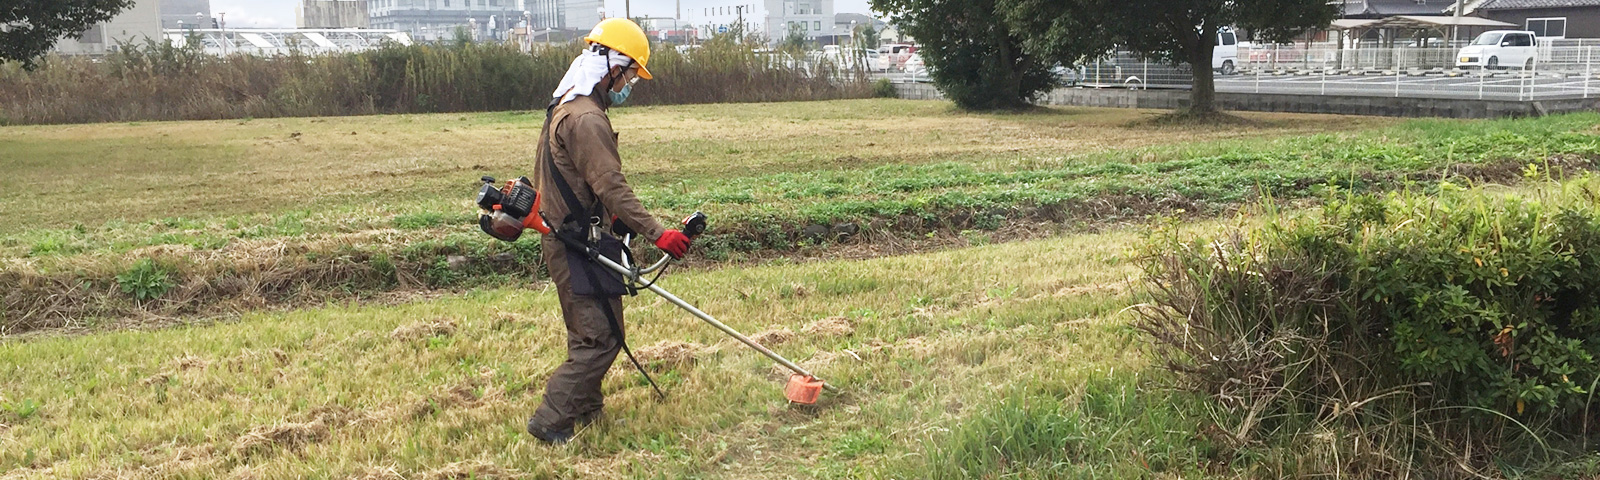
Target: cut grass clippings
(446, 384)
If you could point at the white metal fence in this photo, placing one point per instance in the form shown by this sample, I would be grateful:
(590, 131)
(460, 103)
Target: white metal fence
(1554, 70)
(1549, 58)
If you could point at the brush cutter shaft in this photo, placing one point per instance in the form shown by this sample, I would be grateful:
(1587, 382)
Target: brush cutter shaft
(708, 319)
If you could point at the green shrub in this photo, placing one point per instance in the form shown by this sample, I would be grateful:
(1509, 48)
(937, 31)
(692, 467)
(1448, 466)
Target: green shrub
(147, 280)
(883, 88)
(1479, 310)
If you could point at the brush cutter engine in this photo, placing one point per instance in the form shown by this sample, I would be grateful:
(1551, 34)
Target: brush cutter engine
(509, 210)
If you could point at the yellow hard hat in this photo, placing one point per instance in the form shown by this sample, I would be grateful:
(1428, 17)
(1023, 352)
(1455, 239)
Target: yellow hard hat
(625, 37)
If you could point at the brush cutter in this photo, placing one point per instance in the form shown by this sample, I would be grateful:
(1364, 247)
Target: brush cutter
(509, 210)
(803, 387)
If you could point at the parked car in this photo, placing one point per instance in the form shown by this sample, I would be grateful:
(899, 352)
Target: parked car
(893, 56)
(914, 66)
(1496, 49)
(1225, 57)
(849, 56)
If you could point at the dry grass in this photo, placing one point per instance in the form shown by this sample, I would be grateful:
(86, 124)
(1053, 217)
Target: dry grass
(327, 390)
(669, 354)
(425, 329)
(831, 326)
(283, 435)
(775, 337)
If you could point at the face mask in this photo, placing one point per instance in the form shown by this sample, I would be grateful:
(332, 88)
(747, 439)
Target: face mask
(618, 97)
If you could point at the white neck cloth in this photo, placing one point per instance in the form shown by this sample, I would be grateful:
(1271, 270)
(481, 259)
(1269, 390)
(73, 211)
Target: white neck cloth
(586, 71)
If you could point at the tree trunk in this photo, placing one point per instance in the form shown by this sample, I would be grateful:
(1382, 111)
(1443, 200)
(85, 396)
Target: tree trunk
(1202, 98)
(1013, 75)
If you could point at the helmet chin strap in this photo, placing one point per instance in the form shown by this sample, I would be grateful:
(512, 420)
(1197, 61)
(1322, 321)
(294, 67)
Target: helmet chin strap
(614, 77)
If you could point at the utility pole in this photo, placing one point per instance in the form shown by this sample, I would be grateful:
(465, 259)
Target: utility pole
(627, 8)
(222, 26)
(739, 10)
(1455, 30)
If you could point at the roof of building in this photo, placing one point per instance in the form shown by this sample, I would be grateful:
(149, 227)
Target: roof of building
(1530, 4)
(1388, 8)
(1420, 21)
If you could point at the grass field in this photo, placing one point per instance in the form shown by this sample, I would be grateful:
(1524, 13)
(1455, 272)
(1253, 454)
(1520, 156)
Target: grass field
(1007, 360)
(917, 342)
(402, 164)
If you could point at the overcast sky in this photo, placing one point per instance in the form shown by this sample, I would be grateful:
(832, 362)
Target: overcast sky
(280, 13)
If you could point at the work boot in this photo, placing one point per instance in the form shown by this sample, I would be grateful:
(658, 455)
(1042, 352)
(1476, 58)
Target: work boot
(591, 417)
(550, 436)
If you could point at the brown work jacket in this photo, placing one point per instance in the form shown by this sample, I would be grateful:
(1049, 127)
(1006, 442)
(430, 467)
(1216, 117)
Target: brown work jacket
(580, 137)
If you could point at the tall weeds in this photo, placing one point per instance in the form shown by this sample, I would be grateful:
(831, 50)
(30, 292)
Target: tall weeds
(1448, 336)
(158, 81)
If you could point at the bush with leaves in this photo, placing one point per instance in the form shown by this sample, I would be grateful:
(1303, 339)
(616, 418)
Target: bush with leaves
(973, 57)
(1480, 310)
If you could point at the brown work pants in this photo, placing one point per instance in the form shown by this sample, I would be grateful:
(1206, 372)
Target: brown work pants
(574, 388)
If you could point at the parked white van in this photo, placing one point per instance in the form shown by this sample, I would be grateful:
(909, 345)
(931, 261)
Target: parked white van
(1500, 49)
(1225, 58)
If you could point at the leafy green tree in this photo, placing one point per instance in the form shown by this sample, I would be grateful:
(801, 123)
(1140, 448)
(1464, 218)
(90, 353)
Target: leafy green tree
(795, 39)
(1162, 30)
(971, 54)
(29, 28)
(866, 37)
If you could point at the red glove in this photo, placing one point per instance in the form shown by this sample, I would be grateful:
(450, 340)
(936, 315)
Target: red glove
(673, 242)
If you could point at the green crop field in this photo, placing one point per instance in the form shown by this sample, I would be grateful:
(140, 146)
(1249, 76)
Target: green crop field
(305, 321)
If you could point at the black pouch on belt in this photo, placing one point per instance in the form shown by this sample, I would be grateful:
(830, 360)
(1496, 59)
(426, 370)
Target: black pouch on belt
(590, 278)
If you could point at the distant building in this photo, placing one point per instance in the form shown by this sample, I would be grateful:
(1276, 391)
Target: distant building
(332, 14)
(435, 20)
(570, 15)
(844, 26)
(139, 22)
(182, 14)
(891, 34)
(1548, 19)
(772, 19)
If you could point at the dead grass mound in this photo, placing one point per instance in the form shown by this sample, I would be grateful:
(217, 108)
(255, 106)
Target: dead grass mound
(189, 362)
(774, 337)
(669, 354)
(287, 435)
(831, 326)
(424, 329)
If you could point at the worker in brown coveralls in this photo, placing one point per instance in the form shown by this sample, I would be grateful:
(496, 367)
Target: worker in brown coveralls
(583, 147)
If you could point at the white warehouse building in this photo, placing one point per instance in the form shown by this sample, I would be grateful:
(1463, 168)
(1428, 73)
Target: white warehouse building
(772, 19)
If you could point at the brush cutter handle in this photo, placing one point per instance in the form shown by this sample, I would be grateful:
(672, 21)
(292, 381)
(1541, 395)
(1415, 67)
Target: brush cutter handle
(693, 226)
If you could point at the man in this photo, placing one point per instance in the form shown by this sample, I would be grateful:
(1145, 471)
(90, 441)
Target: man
(583, 150)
